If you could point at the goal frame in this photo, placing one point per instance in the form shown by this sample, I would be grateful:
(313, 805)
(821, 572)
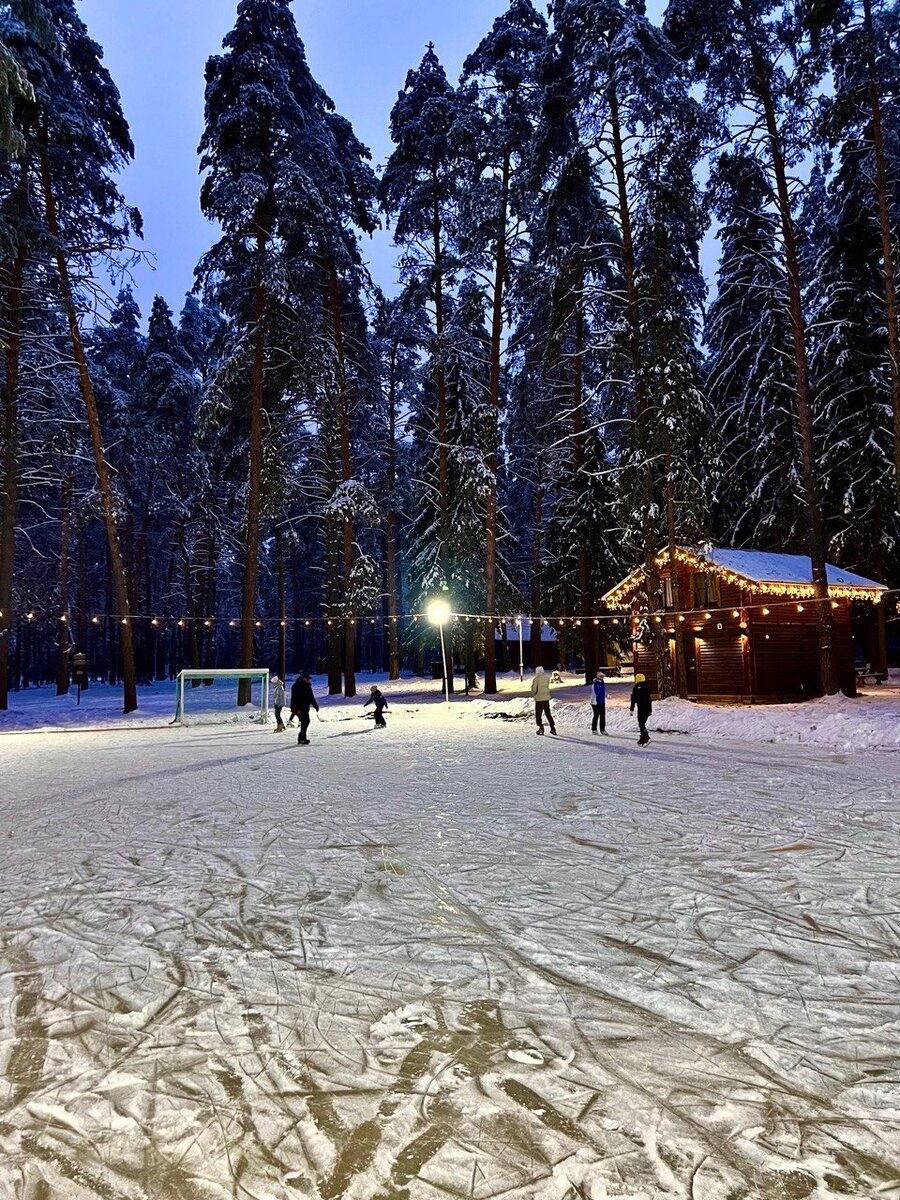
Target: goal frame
(251, 673)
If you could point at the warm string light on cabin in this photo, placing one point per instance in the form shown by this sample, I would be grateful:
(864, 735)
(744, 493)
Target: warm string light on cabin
(793, 591)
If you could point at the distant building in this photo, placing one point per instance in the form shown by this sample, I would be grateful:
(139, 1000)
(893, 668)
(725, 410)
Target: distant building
(749, 623)
(539, 645)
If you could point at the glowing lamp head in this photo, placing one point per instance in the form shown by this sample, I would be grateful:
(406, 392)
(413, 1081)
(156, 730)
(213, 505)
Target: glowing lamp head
(438, 612)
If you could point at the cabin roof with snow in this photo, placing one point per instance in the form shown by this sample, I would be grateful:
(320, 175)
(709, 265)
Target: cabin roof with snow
(758, 571)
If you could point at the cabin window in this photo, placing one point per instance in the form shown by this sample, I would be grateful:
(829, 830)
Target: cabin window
(668, 600)
(706, 589)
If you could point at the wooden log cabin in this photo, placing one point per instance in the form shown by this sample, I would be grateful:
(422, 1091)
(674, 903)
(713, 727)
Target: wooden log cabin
(749, 623)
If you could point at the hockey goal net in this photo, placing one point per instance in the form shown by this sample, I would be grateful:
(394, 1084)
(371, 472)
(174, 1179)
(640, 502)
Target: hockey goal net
(209, 697)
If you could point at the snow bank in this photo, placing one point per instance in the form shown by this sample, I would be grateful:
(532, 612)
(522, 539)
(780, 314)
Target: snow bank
(868, 722)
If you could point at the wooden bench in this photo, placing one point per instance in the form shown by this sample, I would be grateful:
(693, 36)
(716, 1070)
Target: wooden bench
(864, 673)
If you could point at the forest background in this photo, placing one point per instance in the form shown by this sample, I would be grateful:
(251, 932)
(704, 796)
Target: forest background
(555, 390)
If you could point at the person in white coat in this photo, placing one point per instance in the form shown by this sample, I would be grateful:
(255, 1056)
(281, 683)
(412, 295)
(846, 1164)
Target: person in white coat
(540, 690)
(278, 702)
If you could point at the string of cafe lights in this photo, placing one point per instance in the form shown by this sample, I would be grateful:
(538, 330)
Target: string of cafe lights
(797, 599)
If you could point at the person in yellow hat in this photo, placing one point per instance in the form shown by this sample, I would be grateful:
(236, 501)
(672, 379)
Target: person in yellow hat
(643, 703)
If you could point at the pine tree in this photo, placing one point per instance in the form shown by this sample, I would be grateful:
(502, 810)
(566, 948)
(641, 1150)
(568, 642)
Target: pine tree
(432, 127)
(669, 224)
(749, 378)
(859, 42)
(504, 71)
(399, 334)
(80, 140)
(573, 240)
(741, 49)
(850, 368)
(286, 180)
(615, 89)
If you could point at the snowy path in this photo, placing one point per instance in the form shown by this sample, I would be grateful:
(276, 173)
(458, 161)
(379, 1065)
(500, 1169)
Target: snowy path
(450, 959)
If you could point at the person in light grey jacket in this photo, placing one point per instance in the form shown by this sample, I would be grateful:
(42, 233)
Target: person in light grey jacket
(540, 690)
(278, 702)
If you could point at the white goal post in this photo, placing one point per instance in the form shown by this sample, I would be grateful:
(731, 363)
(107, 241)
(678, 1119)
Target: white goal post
(236, 673)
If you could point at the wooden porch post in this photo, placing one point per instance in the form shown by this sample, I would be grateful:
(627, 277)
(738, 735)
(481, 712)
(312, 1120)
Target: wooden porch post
(878, 623)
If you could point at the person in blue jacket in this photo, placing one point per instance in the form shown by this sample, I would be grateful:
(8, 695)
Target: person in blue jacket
(598, 703)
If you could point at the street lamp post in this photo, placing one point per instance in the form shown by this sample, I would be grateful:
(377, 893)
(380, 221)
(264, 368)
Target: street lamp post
(439, 614)
(521, 624)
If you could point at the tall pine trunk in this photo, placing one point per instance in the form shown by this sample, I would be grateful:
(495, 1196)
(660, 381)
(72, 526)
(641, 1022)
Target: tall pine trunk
(346, 476)
(251, 562)
(579, 463)
(62, 657)
(537, 541)
(490, 548)
(440, 382)
(10, 481)
(392, 580)
(641, 414)
(675, 582)
(83, 625)
(104, 482)
(282, 604)
(333, 608)
(815, 531)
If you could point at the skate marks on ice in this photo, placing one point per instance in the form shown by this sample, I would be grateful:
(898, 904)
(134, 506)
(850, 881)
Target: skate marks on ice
(571, 993)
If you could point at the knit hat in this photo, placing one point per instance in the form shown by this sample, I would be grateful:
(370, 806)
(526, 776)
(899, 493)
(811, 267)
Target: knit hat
(640, 679)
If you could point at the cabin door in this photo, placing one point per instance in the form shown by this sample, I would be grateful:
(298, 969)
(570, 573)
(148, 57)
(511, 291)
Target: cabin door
(691, 662)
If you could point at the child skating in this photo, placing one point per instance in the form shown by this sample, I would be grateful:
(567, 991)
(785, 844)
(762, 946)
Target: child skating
(376, 697)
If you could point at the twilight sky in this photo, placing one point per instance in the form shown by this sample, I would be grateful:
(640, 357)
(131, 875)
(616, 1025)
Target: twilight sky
(359, 50)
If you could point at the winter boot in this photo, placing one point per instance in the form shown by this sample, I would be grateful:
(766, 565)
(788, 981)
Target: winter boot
(553, 730)
(540, 731)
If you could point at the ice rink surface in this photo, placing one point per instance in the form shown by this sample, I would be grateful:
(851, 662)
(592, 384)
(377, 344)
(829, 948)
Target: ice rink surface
(448, 959)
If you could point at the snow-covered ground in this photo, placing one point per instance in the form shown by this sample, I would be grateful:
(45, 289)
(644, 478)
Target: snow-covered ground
(446, 959)
(867, 722)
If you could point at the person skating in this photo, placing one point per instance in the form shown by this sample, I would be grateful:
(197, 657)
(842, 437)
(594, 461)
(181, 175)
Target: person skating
(598, 703)
(641, 701)
(278, 702)
(540, 690)
(302, 700)
(376, 697)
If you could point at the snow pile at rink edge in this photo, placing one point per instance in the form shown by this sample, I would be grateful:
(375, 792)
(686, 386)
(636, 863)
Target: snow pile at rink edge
(863, 723)
(835, 722)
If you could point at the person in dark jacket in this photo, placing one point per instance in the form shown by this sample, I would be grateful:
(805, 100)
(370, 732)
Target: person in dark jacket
(302, 700)
(641, 701)
(376, 697)
(598, 703)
